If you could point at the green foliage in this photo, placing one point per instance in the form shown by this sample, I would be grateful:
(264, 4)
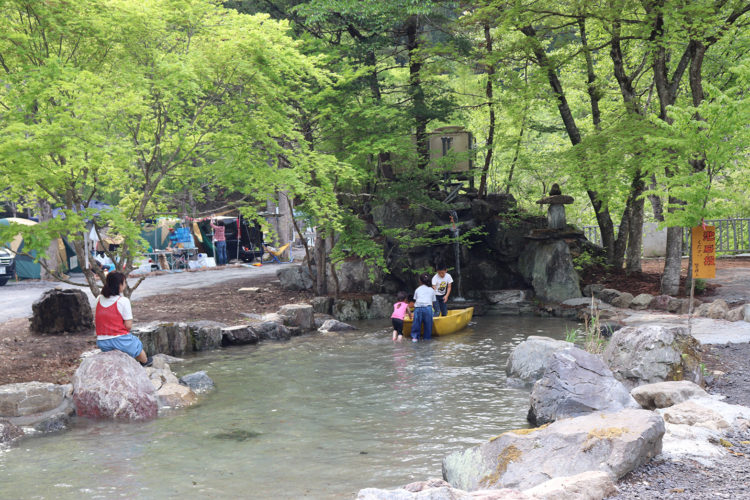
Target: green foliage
(138, 101)
(585, 260)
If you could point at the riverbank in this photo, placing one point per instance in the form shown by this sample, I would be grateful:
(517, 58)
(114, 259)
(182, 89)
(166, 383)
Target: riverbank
(690, 479)
(26, 356)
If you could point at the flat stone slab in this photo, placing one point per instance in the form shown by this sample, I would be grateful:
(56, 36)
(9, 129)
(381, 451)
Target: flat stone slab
(666, 394)
(27, 398)
(705, 330)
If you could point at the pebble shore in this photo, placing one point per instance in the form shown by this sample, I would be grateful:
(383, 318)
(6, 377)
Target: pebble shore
(688, 479)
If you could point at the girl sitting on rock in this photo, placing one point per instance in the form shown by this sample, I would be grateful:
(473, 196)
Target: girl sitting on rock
(114, 319)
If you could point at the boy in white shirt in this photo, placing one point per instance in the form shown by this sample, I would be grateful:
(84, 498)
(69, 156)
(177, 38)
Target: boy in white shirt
(424, 297)
(442, 282)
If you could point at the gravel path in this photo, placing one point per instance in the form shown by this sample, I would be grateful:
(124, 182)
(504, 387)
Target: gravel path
(727, 477)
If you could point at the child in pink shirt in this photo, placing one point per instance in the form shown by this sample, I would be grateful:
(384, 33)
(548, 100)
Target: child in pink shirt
(400, 311)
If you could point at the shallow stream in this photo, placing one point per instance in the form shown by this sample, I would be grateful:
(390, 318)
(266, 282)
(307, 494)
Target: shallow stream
(320, 416)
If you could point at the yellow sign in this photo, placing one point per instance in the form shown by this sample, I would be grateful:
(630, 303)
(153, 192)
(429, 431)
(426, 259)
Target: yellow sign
(704, 251)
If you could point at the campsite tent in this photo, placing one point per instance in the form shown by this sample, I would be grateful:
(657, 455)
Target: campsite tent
(26, 268)
(156, 233)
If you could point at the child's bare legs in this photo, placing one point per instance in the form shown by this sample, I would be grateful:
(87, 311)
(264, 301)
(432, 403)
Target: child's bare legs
(142, 358)
(394, 334)
(400, 337)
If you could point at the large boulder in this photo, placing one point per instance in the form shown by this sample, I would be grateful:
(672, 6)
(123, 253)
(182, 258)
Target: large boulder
(666, 394)
(27, 398)
(62, 310)
(295, 278)
(298, 315)
(615, 443)
(548, 266)
(576, 383)
(654, 353)
(529, 359)
(113, 385)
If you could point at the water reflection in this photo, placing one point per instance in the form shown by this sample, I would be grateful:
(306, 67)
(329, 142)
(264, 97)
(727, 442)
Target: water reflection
(317, 417)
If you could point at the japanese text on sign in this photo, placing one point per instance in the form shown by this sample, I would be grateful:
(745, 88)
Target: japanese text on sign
(704, 251)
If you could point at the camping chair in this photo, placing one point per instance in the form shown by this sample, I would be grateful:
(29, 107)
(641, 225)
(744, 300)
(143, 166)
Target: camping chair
(277, 254)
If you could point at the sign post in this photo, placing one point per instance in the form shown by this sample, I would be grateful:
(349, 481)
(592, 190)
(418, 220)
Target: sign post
(703, 257)
(703, 242)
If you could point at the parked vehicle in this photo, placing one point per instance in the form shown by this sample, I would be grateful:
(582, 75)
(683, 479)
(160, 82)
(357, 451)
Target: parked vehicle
(7, 266)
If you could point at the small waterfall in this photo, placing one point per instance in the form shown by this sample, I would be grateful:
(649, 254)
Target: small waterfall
(456, 255)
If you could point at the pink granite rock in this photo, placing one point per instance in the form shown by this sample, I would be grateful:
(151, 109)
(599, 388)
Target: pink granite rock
(113, 385)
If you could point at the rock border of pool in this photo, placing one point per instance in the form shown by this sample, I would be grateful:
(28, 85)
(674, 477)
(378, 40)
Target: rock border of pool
(717, 420)
(593, 442)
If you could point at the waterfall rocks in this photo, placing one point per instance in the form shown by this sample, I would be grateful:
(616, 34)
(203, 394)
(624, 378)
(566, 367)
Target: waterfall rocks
(61, 310)
(529, 359)
(333, 325)
(666, 394)
(548, 266)
(615, 443)
(653, 353)
(113, 385)
(576, 383)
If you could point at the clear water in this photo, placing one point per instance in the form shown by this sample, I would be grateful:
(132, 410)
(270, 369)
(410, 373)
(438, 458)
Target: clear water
(321, 416)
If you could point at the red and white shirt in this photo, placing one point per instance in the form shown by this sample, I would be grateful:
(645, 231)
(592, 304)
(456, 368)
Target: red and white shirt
(111, 314)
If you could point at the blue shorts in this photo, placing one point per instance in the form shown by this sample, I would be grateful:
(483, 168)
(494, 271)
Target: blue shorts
(128, 343)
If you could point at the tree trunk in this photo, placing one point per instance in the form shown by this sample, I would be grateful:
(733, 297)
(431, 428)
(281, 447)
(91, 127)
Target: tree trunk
(491, 132)
(321, 287)
(670, 280)
(330, 243)
(416, 92)
(635, 232)
(51, 262)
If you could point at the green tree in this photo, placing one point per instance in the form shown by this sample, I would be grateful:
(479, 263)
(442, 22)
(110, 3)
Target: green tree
(129, 102)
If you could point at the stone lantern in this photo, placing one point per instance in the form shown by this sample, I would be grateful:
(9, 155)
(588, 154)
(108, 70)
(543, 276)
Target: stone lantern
(556, 211)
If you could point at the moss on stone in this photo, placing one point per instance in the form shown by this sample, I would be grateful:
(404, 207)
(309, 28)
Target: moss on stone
(597, 435)
(507, 456)
(520, 432)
